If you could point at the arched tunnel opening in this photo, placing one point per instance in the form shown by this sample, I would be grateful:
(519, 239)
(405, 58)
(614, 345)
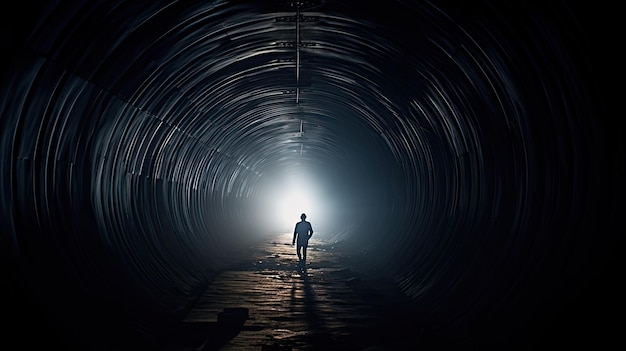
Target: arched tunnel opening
(468, 148)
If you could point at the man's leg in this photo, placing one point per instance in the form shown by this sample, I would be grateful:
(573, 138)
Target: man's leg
(304, 252)
(298, 248)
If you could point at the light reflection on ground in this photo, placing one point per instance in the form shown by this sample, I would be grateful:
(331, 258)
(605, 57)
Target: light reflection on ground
(322, 307)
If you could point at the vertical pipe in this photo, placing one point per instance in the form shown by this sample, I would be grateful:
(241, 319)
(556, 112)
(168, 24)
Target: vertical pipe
(297, 52)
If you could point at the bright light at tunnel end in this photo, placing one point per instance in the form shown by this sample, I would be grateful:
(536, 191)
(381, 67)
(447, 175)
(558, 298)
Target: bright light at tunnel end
(285, 198)
(295, 201)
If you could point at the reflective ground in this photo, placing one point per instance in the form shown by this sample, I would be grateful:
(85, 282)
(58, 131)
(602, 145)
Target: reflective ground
(263, 301)
(341, 301)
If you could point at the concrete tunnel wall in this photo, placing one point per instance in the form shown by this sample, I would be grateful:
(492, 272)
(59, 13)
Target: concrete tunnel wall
(468, 148)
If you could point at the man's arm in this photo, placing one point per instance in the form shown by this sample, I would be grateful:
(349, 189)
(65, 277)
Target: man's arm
(310, 230)
(295, 233)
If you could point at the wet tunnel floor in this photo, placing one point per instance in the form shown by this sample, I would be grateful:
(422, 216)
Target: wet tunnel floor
(262, 301)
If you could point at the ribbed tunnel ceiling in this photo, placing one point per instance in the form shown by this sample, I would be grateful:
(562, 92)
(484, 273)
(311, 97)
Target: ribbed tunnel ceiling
(465, 146)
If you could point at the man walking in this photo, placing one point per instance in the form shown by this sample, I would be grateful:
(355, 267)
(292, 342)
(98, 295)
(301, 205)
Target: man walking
(302, 233)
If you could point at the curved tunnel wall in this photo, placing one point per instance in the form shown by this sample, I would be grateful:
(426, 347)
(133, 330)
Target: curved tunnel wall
(464, 147)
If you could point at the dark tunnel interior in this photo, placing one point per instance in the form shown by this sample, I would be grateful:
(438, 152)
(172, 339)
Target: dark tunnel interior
(470, 147)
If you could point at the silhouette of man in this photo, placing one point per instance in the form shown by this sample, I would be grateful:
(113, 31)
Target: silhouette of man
(302, 233)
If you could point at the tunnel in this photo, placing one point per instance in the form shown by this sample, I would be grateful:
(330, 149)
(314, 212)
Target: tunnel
(468, 148)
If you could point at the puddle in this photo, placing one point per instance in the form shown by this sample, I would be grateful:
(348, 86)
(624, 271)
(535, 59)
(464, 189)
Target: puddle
(281, 334)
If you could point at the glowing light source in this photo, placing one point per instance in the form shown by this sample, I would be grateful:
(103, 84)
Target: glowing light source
(286, 197)
(296, 199)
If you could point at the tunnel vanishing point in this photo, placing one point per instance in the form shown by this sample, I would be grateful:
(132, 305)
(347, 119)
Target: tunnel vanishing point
(469, 146)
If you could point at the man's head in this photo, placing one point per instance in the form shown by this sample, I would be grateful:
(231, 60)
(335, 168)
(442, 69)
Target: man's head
(303, 216)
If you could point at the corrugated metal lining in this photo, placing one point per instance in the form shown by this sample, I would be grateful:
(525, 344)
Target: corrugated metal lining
(136, 135)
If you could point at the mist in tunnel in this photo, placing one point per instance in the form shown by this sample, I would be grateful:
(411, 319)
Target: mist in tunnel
(470, 149)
